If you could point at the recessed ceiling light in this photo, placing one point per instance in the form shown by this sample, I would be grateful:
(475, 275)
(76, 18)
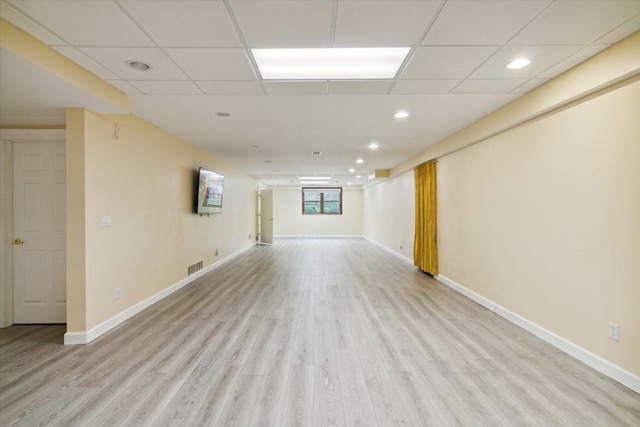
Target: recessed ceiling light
(401, 115)
(359, 161)
(137, 65)
(330, 63)
(373, 146)
(518, 63)
(352, 170)
(358, 176)
(348, 183)
(315, 177)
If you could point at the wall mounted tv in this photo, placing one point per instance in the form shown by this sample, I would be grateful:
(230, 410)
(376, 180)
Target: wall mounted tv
(210, 189)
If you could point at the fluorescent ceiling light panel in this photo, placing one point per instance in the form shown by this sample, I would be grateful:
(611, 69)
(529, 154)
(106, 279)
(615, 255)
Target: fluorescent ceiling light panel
(330, 63)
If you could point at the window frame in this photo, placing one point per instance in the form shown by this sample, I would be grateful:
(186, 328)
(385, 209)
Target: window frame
(322, 191)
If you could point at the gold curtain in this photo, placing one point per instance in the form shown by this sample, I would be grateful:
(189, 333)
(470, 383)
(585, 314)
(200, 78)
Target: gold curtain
(425, 249)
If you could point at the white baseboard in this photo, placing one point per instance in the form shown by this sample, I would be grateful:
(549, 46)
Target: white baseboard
(319, 236)
(609, 369)
(71, 338)
(391, 251)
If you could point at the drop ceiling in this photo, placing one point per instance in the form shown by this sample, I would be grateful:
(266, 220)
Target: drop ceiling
(201, 65)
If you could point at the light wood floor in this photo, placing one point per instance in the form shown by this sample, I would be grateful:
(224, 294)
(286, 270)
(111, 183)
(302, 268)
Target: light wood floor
(311, 333)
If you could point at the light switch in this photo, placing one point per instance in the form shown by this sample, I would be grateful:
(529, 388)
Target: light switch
(105, 221)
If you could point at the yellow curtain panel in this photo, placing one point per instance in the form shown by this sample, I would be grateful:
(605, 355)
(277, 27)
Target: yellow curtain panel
(425, 249)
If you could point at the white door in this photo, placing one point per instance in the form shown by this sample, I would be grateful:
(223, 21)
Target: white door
(39, 232)
(266, 217)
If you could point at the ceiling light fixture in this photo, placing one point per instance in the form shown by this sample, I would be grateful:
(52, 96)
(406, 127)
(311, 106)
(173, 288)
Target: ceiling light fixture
(401, 115)
(330, 63)
(352, 170)
(373, 146)
(315, 153)
(359, 161)
(137, 65)
(518, 63)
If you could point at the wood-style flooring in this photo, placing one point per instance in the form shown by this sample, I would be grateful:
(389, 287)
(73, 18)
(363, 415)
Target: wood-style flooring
(308, 332)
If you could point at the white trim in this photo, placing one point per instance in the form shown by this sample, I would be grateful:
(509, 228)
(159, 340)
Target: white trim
(611, 370)
(33, 135)
(391, 251)
(71, 338)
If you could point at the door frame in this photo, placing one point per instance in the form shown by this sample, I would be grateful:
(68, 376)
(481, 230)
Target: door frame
(7, 138)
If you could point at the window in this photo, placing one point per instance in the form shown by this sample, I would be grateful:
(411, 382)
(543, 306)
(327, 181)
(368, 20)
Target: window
(317, 201)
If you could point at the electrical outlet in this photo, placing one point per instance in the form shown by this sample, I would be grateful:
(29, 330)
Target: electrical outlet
(117, 293)
(613, 331)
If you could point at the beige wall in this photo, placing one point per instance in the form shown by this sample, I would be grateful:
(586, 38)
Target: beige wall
(538, 206)
(544, 221)
(144, 180)
(389, 214)
(288, 220)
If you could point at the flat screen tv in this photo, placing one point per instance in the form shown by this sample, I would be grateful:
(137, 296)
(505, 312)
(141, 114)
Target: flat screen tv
(210, 189)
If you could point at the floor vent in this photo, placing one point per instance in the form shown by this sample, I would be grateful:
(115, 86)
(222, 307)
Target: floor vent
(194, 267)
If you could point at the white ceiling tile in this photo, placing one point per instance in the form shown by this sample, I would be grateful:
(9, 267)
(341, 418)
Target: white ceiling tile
(621, 32)
(115, 60)
(185, 23)
(85, 62)
(85, 23)
(541, 57)
(282, 23)
(446, 62)
(473, 22)
(529, 85)
(230, 88)
(576, 22)
(489, 86)
(213, 64)
(155, 87)
(421, 87)
(364, 87)
(296, 88)
(383, 23)
(20, 20)
(124, 87)
(573, 60)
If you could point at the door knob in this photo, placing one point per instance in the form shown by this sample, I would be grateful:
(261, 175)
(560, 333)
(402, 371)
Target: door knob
(18, 242)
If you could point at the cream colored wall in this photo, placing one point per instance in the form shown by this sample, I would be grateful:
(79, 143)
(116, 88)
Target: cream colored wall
(544, 221)
(288, 220)
(389, 214)
(145, 182)
(538, 205)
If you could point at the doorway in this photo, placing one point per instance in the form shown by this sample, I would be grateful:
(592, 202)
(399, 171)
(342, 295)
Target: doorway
(33, 264)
